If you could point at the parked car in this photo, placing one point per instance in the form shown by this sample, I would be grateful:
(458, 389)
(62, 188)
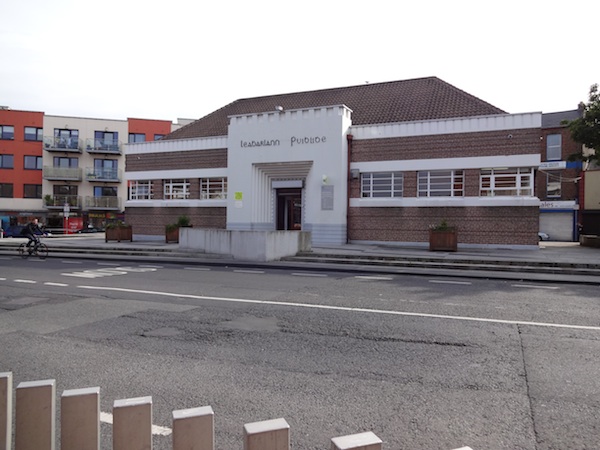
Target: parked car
(543, 236)
(90, 229)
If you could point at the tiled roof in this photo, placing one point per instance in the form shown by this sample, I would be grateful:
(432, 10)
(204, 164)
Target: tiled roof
(554, 120)
(376, 103)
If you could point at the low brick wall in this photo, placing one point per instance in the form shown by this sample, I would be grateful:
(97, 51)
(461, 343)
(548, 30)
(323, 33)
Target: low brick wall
(587, 240)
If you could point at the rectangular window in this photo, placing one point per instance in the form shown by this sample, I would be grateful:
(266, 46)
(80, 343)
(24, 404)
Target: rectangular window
(105, 191)
(7, 162)
(553, 184)
(106, 140)
(381, 184)
(34, 134)
(158, 136)
(7, 132)
(140, 190)
(65, 189)
(6, 190)
(32, 163)
(136, 137)
(506, 182)
(65, 138)
(176, 189)
(106, 168)
(213, 188)
(32, 191)
(440, 183)
(553, 147)
(63, 161)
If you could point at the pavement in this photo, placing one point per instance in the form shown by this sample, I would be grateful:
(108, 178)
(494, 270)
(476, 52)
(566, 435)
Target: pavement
(564, 262)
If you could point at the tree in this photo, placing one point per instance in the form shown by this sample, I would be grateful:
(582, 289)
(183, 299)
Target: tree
(586, 129)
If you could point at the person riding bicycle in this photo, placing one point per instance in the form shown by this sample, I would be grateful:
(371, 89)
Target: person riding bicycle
(30, 231)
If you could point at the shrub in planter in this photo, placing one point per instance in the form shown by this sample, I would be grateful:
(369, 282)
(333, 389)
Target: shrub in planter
(443, 237)
(118, 231)
(172, 229)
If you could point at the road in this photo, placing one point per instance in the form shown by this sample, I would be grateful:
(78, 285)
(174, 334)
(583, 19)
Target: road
(423, 362)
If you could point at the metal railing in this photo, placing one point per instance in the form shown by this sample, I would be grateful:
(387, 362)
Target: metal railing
(61, 173)
(103, 146)
(60, 144)
(59, 201)
(104, 202)
(94, 174)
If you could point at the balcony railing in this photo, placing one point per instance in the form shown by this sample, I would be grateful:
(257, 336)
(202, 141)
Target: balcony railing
(59, 201)
(105, 203)
(112, 147)
(61, 173)
(106, 175)
(58, 144)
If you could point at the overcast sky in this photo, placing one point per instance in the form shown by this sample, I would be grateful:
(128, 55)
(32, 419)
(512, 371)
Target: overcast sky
(155, 59)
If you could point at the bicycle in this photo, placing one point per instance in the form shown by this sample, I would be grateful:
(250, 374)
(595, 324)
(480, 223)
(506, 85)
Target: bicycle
(38, 249)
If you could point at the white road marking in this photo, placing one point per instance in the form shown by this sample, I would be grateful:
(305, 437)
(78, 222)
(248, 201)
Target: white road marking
(199, 269)
(156, 429)
(248, 271)
(2, 279)
(534, 286)
(107, 264)
(306, 274)
(25, 281)
(373, 277)
(450, 282)
(344, 308)
(49, 283)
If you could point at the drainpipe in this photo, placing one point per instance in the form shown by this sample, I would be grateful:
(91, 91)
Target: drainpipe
(349, 176)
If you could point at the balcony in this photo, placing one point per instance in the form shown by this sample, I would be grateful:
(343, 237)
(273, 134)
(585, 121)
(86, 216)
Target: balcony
(61, 173)
(110, 147)
(58, 144)
(57, 202)
(106, 203)
(103, 175)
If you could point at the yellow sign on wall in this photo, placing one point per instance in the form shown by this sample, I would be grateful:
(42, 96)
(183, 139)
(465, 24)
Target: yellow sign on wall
(238, 196)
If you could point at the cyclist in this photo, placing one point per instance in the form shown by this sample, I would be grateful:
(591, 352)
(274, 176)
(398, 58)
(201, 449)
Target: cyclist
(30, 231)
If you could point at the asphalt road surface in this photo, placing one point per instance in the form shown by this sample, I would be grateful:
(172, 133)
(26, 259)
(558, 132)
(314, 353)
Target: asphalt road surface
(423, 362)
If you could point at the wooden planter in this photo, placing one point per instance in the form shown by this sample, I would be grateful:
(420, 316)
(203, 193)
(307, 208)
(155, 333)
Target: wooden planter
(442, 240)
(172, 235)
(122, 233)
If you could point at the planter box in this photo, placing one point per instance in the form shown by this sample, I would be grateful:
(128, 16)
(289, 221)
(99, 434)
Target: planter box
(442, 240)
(119, 234)
(172, 235)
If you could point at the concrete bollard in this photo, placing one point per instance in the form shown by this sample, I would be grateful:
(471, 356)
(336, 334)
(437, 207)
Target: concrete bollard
(6, 410)
(132, 424)
(267, 435)
(35, 415)
(194, 429)
(80, 419)
(360, 441)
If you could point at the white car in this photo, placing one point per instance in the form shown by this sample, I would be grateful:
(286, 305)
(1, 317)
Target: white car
(543, 236)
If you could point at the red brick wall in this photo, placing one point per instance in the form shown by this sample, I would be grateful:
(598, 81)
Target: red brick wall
(476, 225)
(197, 159)
(152, 221)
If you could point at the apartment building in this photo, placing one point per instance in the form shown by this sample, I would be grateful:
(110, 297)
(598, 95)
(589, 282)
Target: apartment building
(67, 171)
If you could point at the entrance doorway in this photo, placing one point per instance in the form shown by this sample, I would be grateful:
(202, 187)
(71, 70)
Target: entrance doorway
(289, 209)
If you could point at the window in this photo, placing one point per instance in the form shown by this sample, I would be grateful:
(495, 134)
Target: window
(7, 162)
(65, 138)
(440, 183)
(63, 161)
(512, 182)
(140, 190)
(6, 190)
(176, 189)
(158, 136)
(213, 188)
(65, 189)
(381, 184)
(105, 191)
(32, 162)
(33, 134)
(7, 132)
(553, 147)
(553, 184)
(106, 168)
(106, 140)
(136, 137)
(32, 191)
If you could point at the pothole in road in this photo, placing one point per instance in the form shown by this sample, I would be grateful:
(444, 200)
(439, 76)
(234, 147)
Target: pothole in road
(251, 323)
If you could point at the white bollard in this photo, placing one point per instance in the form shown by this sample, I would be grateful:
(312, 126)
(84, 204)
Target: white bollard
(194, 429)
(35, 415)
(132, 424)
(360, 441)
(80, 419)
(267, 435)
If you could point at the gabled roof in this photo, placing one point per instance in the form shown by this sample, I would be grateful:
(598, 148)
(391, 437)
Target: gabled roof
(554, 120)
(376, 103)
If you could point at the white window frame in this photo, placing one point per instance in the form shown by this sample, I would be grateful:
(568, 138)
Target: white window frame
(140, 190)
(512, 182)
(553, 147)
(176, 189)
(382, 184)
(553, 184)
(440, 183)
(213, 188)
